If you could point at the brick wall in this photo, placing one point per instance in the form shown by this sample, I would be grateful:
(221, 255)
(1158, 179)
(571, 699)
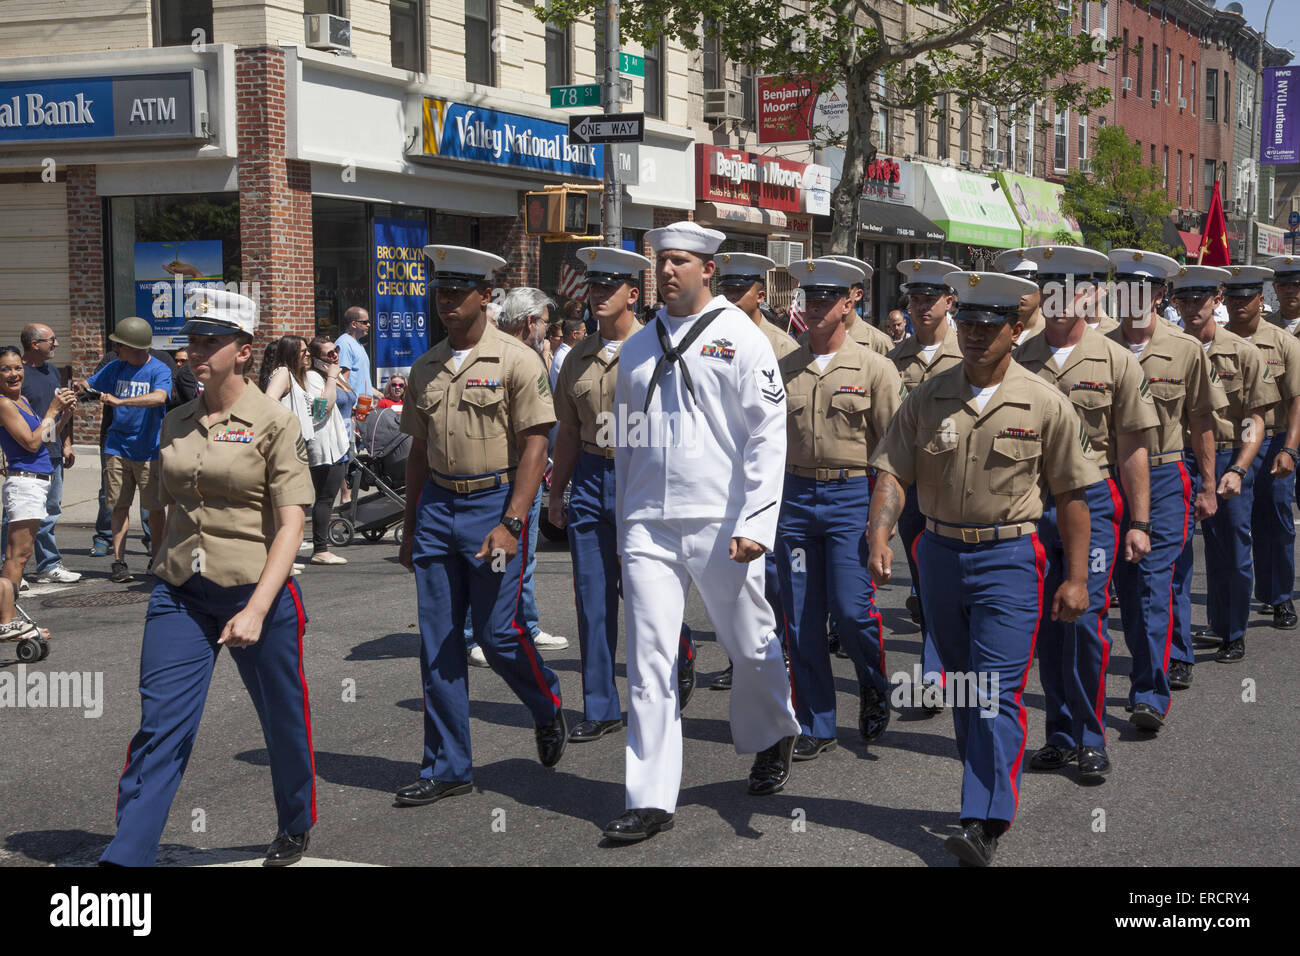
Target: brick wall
(523, 253)
(274, 201)
(662, 217)
(85, 289)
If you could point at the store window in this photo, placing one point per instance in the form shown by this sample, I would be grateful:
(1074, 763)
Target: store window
(653, 103)
(341, 261)
(480, 66)
(161, 247)
(176, 22)
(406, 38)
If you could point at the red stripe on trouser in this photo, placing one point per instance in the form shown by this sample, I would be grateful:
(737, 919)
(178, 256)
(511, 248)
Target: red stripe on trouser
(302, 680)
(1040, 568)
(1099, 704)
(524, 641)
(1187, 507)
(880, 637)
(117, 803)
(686, 645)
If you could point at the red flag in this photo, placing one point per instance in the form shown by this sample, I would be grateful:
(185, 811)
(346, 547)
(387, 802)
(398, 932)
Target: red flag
(797, 324)
(1214, 235)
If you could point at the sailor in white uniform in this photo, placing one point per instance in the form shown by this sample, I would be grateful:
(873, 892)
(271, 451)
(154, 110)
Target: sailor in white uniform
(699, 465)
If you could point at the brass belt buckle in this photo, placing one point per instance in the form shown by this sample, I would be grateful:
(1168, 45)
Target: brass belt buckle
(461, 486)
(823, 474)
(972, 538)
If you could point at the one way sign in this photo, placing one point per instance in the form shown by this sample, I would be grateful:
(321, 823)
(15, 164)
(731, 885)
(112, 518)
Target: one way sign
(610, 128)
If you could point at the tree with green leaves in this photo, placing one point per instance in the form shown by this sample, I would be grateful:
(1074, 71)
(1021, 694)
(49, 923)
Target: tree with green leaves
(1122, 202)
(997, 52)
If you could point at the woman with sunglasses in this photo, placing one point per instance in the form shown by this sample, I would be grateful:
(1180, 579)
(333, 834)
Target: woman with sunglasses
(394, 392)
(235, 482)
(327, 447)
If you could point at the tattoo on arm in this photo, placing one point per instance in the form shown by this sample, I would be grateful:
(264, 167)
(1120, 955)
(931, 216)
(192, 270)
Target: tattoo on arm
(890, 495)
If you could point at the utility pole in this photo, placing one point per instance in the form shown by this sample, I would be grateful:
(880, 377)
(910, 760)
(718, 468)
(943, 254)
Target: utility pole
(1253, 199)
(611, 206)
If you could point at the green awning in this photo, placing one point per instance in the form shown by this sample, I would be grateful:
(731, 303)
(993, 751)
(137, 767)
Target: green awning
(972, 209)
(1037, 206)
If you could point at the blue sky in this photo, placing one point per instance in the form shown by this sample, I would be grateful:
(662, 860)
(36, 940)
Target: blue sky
(1283, 24)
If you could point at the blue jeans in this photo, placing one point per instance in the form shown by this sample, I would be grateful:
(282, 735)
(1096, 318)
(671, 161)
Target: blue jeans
(528, 615)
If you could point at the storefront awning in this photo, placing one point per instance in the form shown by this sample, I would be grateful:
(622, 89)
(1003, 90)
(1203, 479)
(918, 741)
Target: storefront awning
(896, 221)
(1191, 242)
(729, 212)
(1037, 205)
(970, 208)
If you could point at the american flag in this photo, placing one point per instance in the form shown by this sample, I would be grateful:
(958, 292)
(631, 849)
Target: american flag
(797, 324)
(571, 282)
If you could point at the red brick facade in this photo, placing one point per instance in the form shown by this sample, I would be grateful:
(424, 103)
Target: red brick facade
(522, 252)
(85, 288)
(662, 217)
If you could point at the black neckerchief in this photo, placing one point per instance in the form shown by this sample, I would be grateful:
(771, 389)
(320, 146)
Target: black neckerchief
(672, 354)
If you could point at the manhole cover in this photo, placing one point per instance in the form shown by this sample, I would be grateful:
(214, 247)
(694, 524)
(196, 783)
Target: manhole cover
(103, 599)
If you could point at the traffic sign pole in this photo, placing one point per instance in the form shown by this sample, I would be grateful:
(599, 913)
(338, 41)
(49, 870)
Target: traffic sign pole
(612, 204)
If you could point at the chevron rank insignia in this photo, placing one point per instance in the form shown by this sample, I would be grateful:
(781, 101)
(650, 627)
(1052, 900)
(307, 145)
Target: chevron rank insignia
(769, 385)
(543, 386)
(1084, 441)
(300, 447)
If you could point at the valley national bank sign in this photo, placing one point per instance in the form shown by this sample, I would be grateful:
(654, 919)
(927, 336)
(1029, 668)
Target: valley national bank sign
(146, 106)
(458, 131)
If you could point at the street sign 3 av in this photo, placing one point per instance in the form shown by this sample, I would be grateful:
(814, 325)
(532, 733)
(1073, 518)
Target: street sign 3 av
(609, 128)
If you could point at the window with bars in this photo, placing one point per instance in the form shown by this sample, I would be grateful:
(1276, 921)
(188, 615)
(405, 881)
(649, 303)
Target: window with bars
(921, 121)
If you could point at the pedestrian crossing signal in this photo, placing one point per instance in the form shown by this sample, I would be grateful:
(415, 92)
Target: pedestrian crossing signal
(555, 212)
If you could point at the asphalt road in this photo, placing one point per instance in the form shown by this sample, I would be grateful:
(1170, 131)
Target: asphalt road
(1216, 787)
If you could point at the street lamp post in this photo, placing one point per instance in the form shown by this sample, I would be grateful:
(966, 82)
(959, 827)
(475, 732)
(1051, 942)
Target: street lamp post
(1252, 199)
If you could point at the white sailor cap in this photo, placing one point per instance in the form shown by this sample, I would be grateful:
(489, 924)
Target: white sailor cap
(218, 312)
(989, 297)
(687, 236)
(1013, 262)
(1285, 267)
(458, 267)
(742, 268)
(865, 266)
(1140, 264)
(608, 266)
(825, 278)
(1191, 282)
(1057, 263)
(1246, 281)
(925, 276)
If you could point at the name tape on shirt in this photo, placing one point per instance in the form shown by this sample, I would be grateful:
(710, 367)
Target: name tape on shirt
(769, 385)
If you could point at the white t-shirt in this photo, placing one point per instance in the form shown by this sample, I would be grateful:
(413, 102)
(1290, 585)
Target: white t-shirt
(1062, 355)
(458, 358)
(928, 351)
(610, 347)
(329, 444)
(1137, 347)
(1221, 314)
(823, 361)
(982, 396)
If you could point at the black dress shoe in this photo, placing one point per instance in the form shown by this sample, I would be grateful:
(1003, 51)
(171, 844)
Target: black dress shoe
(1266, 609)
(1052, 757)
(833, 642)
(1180, 675)
(425, 791)
(925, 697)
(551, 739)
(722, 681)
(685, 680)
(640, 824)
(808, 748)
(591, 729)
(772, 768)
(873, 713)
(914, 609)
(1231, 651)
(974, 844)
(287, 849)
(1147, 717)
(1093, 764)
(1284, 618)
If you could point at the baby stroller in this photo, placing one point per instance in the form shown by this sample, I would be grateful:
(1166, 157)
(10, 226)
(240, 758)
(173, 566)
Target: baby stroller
(382, 451)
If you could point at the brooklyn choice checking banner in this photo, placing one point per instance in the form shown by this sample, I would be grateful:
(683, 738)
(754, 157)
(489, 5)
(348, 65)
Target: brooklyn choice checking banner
(401, 290)
(458, 131)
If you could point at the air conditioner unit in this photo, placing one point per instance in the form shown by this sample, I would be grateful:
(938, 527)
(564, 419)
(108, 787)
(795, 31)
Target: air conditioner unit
(1155, 97)
(1182, 103)
(999, 157)
(328, 32)
(783, 253)
(964, 157)
(1126, 84)
(724, 105)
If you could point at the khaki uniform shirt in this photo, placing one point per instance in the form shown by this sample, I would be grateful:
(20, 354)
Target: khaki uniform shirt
(990, 467)
(585, 389)
(470, 419)
(865, 333)
(224, 480)
(1104, 382)
(1246, 380)
(1282, 356)
(1105, 324)
(782, 343)
(908, 357)
(1182, 382)
(835, 418)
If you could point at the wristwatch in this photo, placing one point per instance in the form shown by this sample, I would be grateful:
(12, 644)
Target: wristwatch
(1140, 526)
(513, 525)
(1294, 453)
(1237, 470)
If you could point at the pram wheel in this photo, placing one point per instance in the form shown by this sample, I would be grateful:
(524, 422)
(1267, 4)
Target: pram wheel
(341, 532)
(29, 650)
(397, 534)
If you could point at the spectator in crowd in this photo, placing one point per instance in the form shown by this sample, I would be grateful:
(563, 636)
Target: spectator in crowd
(554, 338)
(575, 330)
(353, 386)
(896, 326)
(137, 386)
(23, 435)
(394, 392)
(181, 357)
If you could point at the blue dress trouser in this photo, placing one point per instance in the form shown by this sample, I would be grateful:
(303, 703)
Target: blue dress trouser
(911, 523)
(822, 563)
(597, 585)
(451, 583)
(987, 601)
(1272, 527)
(1181, 649)
(1146, 589)
(177, 655)
(1228, 570)
(528, 596)
(1073, 656)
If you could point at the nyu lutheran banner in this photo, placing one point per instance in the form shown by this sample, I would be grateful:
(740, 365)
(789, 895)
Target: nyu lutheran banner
(1279, 129)
(401, 288)
(458, 131)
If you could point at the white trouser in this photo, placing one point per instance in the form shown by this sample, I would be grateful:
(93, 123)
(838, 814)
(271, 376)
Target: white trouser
(660, 559)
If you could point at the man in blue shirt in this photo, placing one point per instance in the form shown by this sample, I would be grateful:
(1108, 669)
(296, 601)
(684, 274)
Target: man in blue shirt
(352, 354)
(136, 387)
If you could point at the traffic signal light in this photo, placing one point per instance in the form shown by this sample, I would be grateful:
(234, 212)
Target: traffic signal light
(555, 212)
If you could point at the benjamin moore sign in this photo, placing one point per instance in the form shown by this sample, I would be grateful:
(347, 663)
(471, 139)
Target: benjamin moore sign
(146, 106)
(458, 131)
